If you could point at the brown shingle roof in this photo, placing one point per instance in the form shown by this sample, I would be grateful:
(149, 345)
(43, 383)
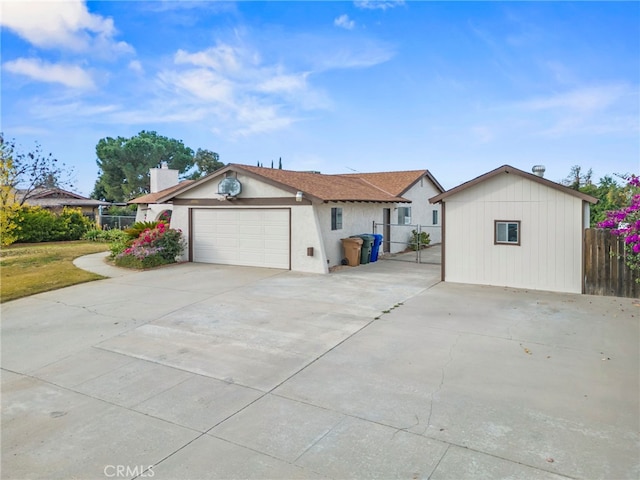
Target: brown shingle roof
(357, 187)
(508, 169)
(153, 197)
(326, 187)
(396, 183)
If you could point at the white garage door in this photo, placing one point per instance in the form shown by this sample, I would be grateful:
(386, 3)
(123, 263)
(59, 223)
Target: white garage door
(234, 236)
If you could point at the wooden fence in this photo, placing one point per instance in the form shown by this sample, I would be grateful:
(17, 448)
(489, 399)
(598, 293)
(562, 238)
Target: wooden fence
(605, 272)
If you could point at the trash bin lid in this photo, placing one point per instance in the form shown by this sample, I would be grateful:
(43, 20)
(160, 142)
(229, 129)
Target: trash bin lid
(357, 240)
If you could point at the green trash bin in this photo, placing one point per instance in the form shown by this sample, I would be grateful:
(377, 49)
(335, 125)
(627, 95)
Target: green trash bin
(367, 245)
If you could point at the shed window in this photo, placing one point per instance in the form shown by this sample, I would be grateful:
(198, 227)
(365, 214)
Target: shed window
(404, 215)
(336, 218)
(434, 217)
(507, 232)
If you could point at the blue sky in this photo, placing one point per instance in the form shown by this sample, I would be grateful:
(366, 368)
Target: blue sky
(459, 88)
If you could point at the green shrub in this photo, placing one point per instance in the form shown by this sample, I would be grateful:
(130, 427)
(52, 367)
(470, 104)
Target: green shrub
(129, 261)
(96, 235)
(117, 247)
(418, 241)
(137, 228)
(73, 224)
(153, 247)
(127, 211)
(36, 224)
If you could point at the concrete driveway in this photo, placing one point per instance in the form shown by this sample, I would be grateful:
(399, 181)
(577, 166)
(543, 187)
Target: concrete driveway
(202, 371)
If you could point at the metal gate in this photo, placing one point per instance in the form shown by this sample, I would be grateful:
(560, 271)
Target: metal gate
(405, 241)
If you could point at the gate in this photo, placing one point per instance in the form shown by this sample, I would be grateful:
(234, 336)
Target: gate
(405, 244)
(605, 272)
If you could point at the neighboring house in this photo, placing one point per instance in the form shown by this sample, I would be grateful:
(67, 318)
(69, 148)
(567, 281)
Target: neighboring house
(512, 228)
(55, 199)
(245, 215)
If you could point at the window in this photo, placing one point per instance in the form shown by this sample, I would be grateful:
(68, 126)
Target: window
(507, 232)
(336, 218)
(404, 215)
(434, 217)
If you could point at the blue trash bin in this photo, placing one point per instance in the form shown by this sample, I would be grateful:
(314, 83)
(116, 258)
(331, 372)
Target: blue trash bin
(377, 240)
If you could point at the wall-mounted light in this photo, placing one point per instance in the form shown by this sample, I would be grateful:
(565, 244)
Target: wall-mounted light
(298, 196)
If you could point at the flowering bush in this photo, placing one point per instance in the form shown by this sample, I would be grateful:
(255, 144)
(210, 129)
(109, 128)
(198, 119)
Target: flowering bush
(625, 223)
(154, 246)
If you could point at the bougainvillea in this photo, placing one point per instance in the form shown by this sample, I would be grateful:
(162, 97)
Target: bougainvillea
(154, 246)
(625, 223)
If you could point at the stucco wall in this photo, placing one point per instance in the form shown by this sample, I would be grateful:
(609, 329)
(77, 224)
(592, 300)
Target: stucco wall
(550, 254)
(251, 188)
(421, 209)
(150, 213)
(357, 218)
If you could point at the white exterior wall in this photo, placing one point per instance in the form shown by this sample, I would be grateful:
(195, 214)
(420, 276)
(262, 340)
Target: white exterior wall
(550, 254)
(357, 218)
(150, 213)
(251, 188)
(421, 212)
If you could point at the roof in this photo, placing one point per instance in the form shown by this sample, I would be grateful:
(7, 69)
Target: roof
(396, 183)
(507, 169)
(153, 197)
(57, 197)
(359, 187)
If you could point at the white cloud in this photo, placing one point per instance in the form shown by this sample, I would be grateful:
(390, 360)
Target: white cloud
(69, 75)
(284, 83)
(344, 22)
(588, 110)
(378, 4)
(587, 99)
(136, 66)
(67, 25)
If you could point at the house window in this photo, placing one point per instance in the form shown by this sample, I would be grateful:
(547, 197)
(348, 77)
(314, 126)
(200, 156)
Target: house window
(404, 215)
(336, 218)
(507, 232)
(434, 217)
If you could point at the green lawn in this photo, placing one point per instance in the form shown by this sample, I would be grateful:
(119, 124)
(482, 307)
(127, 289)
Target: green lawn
(31, 268)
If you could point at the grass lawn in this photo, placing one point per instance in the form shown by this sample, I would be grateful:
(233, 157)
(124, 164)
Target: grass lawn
(31, 268)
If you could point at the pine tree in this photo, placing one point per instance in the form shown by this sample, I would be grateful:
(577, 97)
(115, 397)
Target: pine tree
(280, 164)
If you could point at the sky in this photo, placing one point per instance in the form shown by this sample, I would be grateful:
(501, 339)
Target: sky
(459, 88)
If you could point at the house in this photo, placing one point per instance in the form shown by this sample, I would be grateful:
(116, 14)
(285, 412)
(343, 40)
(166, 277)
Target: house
(55, 199)
(246, 215)
(163, 181)
(516, 229)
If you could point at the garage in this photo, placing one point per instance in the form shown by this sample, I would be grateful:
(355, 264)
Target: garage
(254, 237)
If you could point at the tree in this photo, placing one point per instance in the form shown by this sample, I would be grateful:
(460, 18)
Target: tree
(577, 179)
(206, 162)
(625, 223)
(280, 164)
(610, 195)
(125, 162)
(22, 173)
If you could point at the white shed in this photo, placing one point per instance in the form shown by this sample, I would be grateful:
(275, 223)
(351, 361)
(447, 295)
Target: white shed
(512, 228)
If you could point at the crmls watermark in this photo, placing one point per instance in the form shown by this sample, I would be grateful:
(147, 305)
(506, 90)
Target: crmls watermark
(127, 471)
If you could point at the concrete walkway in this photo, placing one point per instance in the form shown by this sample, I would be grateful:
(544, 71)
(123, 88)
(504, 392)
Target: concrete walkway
(97, 263)
(203, 371)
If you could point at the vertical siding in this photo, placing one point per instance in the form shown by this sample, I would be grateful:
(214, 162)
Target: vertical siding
(550, 254)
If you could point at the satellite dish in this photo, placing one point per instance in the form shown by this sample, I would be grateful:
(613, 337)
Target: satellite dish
(230, 186)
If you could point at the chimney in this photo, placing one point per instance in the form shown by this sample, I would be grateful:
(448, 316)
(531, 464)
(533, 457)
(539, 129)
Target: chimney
(538, 170)
(161, 178)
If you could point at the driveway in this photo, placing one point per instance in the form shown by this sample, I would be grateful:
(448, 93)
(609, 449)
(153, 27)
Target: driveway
(203, 371)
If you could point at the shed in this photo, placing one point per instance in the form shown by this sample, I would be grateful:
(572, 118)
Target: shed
(516, 229)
